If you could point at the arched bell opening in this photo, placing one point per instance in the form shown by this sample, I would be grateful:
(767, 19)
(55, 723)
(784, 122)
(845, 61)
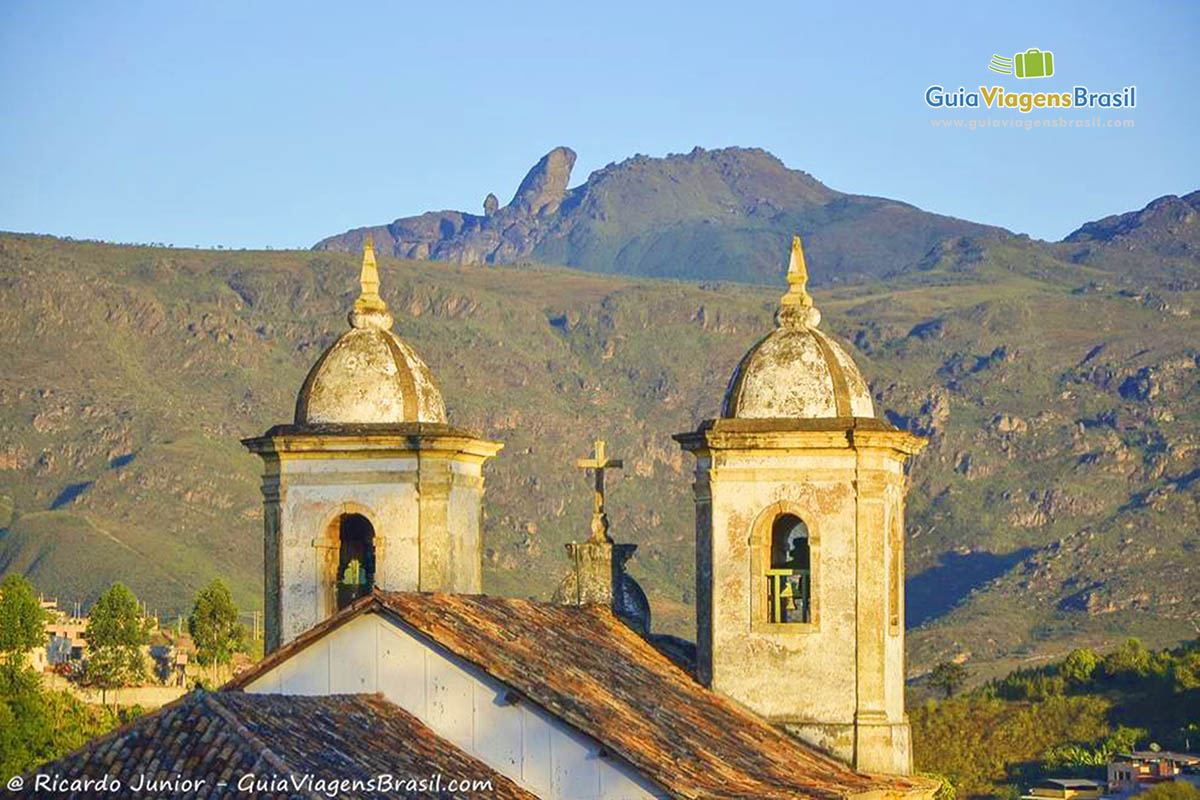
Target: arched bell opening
(356, 558)
(789, 575)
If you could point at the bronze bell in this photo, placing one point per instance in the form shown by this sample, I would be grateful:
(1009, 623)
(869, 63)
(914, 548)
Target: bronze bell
(788, 597)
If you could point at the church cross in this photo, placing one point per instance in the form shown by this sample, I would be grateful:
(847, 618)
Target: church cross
(599, 462)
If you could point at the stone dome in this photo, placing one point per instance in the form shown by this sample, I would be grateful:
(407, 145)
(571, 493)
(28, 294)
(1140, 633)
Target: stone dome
(369, 375)
(796, 371)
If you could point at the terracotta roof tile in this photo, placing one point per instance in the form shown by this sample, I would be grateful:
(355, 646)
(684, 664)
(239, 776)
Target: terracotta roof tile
(226, 735)
(587, 668)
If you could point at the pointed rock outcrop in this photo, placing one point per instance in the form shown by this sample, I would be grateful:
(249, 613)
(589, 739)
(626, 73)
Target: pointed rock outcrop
(545, 185)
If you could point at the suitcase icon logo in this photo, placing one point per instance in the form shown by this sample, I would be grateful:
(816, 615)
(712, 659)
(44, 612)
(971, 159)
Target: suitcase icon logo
(1033, 63)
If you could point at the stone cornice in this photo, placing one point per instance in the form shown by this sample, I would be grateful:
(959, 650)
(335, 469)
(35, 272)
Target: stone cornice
(837, 433)
(371, 440)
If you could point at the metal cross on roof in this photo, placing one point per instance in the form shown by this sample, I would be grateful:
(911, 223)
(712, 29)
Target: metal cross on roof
(598, 463)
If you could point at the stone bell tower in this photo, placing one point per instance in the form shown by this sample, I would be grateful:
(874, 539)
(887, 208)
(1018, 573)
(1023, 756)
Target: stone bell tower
(799, 495)
(369, 486)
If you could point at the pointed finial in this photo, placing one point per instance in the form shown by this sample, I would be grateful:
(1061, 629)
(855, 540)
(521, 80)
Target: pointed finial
(796, 307)
(369, 309)
(797, 274)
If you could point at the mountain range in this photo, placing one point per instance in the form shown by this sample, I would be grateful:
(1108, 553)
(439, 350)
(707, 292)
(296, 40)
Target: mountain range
(1056, 505)
(727, 214)
(711, 214)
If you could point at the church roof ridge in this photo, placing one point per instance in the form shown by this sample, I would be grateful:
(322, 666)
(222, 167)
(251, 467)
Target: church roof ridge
(582, 665)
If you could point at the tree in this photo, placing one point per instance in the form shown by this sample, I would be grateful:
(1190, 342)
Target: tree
(949, 677)
(1129, 663)
(22, 621)
(1067, 756)
(1078, 667)
(37, 726)
(115, 634)
(214, 626)
(1185, 671)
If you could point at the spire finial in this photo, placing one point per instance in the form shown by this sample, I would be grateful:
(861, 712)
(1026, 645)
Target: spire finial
(796, 307)
(369, 309)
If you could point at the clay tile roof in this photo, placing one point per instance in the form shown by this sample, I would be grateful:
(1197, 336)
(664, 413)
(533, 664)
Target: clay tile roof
(584, 666)
(225, 735)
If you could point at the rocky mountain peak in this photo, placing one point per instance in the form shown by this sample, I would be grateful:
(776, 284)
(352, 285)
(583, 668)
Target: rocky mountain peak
(545, 185)
(1165, 214)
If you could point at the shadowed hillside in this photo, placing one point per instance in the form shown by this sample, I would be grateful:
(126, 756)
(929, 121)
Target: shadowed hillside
(1056, 504)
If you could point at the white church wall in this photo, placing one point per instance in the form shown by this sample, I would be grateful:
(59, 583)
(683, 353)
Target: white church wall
(460, 703)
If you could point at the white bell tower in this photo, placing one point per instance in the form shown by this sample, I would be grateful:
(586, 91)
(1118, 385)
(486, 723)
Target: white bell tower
(799, 495)
(369, 487)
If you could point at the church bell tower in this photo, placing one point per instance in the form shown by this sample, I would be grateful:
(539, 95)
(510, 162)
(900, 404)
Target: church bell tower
(369, 487)
(799, 494)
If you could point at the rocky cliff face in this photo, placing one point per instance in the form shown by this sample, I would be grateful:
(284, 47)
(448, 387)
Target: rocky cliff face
(1161, 240)
(545, 186)
(501, 235)
(723, 214)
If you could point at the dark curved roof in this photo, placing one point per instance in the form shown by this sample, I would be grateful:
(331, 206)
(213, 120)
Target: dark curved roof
(223, 736)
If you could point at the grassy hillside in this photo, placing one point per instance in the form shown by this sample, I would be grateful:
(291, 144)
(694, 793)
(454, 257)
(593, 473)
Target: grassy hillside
(1056, 505)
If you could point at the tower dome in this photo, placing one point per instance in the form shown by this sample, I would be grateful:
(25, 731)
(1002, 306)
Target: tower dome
(369, 374)
(796, 371)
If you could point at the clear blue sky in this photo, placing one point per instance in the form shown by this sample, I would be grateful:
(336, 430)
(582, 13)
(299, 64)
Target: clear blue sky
(271, 123)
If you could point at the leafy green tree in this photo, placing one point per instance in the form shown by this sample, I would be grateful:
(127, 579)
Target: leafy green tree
(115, 634)
(22, 622)
(37, 726)
(23, 722)
(1078, 667)
(1072, 756)
(1124, 739)
(1185, 671)
(1129, 663)
(949, 677)
(214, 626)
(1067, 756)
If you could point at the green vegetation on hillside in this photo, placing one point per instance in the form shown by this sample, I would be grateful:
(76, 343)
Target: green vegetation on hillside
(1060, 399)
(1065, 719)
